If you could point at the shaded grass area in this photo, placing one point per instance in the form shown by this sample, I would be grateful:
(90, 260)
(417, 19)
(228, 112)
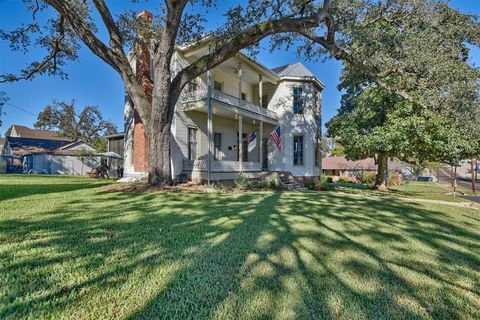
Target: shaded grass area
(83, 253)
(414, 190)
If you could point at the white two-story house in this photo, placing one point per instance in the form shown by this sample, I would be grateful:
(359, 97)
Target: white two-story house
(246, 97)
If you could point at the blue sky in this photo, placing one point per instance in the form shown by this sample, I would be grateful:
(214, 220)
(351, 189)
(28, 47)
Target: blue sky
(92, 82)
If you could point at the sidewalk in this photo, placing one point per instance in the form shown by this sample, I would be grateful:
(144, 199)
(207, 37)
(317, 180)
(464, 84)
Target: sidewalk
(471, 198)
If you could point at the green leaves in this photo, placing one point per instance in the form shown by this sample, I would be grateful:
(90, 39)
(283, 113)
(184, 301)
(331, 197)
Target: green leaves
(87, 126)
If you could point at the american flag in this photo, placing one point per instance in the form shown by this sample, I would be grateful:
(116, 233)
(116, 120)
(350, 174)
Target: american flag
(252, 141)
(276, 138)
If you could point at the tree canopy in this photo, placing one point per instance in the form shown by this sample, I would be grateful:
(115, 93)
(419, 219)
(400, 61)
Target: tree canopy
(88, 125)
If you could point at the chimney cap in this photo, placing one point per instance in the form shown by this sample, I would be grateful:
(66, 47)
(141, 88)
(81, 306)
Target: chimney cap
(145, 14)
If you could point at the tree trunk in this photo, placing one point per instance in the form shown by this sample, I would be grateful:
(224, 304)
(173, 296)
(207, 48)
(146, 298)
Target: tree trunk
(381, 178)
(452, 176)
(455, 182)
(473, 167)
(159, 172)
(476, 167)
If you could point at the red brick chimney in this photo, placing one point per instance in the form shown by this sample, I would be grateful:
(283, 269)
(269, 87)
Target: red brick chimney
(142, 67)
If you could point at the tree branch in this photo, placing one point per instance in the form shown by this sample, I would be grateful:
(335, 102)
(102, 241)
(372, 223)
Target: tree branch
(84, 33)
(247, 37)
(340, 53)
(116, 41)
(45, 62)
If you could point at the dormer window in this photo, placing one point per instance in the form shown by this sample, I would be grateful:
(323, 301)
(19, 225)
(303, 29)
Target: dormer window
(297, 100)
(217, 85)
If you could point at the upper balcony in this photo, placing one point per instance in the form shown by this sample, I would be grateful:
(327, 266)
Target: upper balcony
(197, 100)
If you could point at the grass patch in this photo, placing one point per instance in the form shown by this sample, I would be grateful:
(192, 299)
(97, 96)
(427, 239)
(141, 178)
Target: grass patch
(69, 250)
(414, 190)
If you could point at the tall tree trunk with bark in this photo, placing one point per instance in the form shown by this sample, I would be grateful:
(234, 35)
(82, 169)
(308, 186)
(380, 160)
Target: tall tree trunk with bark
(381, 178)
(476, 171)
(473, 167)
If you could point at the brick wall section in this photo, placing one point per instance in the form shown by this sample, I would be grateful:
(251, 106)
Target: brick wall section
(142, 67)
(140, 158)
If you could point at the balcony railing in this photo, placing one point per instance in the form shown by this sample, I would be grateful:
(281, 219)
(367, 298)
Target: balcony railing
(228, 99)
(220, 166)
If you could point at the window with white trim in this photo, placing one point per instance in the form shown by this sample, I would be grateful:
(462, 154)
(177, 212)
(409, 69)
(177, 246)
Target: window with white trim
(297, 100)
(298, 150)
(217, 146)
(192, 144)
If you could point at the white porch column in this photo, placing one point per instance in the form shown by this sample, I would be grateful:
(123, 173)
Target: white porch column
(240, 84)
(240, 120)
(209, 123)
(240, 141)
(260, 90)
(261, 144)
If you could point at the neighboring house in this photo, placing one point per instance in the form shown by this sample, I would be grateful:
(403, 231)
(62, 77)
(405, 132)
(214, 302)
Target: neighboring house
(341, 166)
(3, 162)
(75, 158)
(15, 148)
(42, 151)
(246, 97)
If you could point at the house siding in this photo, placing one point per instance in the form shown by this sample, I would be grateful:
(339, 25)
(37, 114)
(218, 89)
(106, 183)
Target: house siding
(291, 124)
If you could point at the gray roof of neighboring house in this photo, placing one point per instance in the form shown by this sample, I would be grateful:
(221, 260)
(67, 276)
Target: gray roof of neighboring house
(342, 163)
(24, 146)
(25, 132)
(293, 70)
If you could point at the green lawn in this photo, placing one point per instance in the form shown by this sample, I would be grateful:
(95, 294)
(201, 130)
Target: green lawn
(414, 190)
(69, 250)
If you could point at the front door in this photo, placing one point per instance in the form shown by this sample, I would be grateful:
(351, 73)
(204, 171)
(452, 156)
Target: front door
(244, 148)
(265, 154)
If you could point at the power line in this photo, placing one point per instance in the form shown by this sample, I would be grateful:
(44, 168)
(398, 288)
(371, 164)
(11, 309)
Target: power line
(21, 109)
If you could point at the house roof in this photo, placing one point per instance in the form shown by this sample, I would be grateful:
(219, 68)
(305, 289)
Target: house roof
(114, 136)
(25, 132)
(342, 163)
(297, 71)
(293, 70)
(24, 146)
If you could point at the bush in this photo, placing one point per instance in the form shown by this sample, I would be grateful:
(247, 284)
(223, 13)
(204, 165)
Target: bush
(345, 180)
(320, 186)
(368, 178)
(311, 186)
(244, 183)
(395, 179)
(326, 179)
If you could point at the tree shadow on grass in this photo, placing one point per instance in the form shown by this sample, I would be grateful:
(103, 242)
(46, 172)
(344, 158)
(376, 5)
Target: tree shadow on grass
(252, 255)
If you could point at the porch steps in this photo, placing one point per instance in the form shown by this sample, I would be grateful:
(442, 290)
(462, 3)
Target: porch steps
(288, 182)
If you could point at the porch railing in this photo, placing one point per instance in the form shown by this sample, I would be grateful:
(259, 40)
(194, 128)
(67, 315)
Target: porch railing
(220, 166)
(228, 99)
